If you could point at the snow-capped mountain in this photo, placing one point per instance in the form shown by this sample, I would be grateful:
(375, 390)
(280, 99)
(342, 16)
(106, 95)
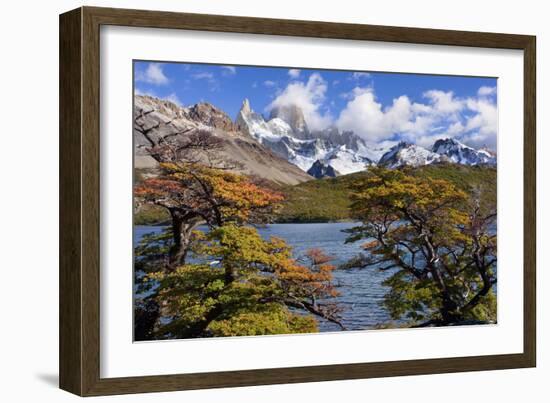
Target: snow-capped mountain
(409, 154)
(444, 150)
(159, 123)
(286, 134)
(461, 153)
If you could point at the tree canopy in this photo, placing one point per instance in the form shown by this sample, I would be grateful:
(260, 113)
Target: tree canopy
(435, 239)
(225, 280)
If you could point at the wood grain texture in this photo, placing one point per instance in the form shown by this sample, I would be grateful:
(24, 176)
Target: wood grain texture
(80, 195)
(70, 274)
(530, 202)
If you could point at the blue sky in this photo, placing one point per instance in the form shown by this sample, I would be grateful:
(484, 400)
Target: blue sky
(380, 107)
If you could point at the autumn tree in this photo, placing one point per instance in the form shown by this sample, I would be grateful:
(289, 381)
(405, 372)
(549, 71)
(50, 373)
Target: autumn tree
(194, 194)
(225, 280)
(437, 241)
(241, 285)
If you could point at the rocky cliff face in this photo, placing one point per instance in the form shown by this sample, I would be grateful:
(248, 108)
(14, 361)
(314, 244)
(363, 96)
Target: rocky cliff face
(164, 121)
(320, 170)
(286, 134)
(211, 117)
(294, 116)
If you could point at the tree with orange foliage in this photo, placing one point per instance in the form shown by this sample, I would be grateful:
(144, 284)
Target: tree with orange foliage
(236, 283)
(194, 194)
(241, 285)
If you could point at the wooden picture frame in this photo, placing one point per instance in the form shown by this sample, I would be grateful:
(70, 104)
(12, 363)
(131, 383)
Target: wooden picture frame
(80, 200)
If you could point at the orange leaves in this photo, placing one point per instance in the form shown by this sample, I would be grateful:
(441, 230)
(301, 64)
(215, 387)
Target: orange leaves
(317, 256)
(215, 194)
(371, 244)
(313, 281)
(396, 194)
(158, 187)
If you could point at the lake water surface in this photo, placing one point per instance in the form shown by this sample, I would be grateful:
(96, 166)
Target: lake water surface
(360, 290)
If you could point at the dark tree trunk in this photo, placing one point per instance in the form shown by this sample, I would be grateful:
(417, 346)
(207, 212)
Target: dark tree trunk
(183, 226)
(146, 315)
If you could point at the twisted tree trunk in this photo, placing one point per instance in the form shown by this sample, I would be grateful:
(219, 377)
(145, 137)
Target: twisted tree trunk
(183, 226)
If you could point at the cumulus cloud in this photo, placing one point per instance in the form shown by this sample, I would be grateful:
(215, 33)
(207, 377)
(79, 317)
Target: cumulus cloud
(365, 116)
(310, 97)
(294, 73)
(473, 120)
(153, 74)
(444, 103)
(486, 91)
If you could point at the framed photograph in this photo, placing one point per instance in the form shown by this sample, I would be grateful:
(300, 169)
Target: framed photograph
(250, 201)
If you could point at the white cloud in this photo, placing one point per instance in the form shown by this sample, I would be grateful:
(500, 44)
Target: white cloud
(481, 128)
(309, 97)
(153, 74)
(269, 83)
(359, 75)
(366, 116)
(294, 73)
(486, 91)
(203, 76)
(444, 103)
(473, 120)
(229, 70)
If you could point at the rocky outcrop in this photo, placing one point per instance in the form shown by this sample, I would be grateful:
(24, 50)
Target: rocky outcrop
(320, 170)
(164, 121)
(211, 116)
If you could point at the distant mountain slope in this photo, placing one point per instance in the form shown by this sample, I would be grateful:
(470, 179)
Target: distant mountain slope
(174, 122)
(443, 150)
(460, 153)
(408, 154)
(328, 199)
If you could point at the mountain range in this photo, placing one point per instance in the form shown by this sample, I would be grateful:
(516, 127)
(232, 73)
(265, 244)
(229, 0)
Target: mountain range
(282, 148)
(331, 152)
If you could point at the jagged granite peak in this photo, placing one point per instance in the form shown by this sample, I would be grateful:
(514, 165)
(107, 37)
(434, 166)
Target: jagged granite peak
(254, 124)
(321, 170)
(245, 107)
(173, 124)
(346, 151)
(294, 116)
(408, 154)
(460, 153)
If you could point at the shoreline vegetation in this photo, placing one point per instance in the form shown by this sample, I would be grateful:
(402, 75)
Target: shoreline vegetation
(328, 200)
(430, 229)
